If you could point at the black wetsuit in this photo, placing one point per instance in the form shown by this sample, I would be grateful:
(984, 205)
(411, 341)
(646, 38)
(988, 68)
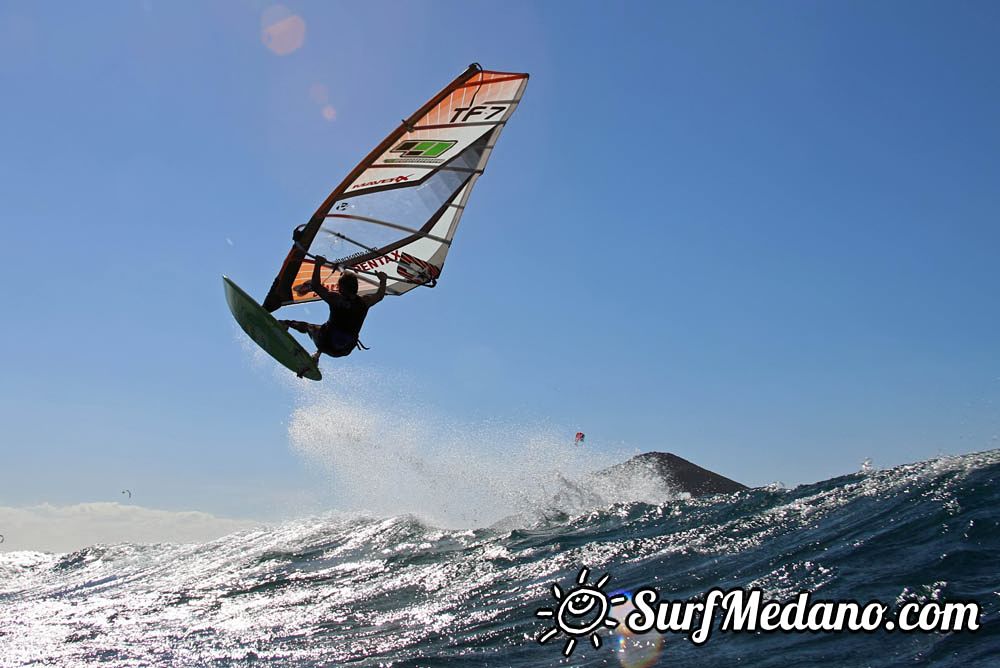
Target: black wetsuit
(338, 336)
(340, 332)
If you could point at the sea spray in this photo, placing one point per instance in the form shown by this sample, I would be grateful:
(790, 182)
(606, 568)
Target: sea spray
(389, 453)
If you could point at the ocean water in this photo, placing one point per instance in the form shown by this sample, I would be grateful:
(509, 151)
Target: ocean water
(360, 590)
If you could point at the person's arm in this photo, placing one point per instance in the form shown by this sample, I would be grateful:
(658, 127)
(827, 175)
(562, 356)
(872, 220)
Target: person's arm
(316, 282)
(371, 300)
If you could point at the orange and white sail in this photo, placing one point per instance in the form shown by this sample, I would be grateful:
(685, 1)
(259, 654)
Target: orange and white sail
(398, 210)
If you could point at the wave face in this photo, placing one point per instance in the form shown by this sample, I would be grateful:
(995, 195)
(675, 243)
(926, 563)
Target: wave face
(368, 591)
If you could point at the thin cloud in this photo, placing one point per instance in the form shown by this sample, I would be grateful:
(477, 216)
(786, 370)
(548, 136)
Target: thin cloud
(48, 528)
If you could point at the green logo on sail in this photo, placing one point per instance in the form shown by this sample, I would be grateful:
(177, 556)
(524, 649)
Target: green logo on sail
(421, 150)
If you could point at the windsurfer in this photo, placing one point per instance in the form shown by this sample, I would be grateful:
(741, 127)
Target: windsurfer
(338, 336)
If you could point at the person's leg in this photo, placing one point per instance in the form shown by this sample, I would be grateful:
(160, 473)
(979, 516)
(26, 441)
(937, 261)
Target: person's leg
(315, 333)
(299, 326)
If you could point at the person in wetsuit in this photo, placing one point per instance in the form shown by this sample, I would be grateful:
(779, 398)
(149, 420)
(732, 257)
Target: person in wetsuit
(338, 336)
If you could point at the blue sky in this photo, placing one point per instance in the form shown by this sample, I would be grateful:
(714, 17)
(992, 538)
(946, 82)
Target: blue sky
(762, 236)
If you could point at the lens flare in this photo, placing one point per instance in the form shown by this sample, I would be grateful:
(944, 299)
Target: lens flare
(281, 31)
(634, 651)
(319, 94)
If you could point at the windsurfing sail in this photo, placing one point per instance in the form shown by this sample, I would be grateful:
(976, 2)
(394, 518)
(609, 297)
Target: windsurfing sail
(398, 210)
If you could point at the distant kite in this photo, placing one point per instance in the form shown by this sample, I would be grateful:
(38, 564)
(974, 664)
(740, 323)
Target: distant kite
(1, 538)
(127, 491)
(580, 436)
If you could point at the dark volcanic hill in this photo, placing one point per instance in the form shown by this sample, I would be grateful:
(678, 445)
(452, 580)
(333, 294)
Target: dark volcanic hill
(677, 472)
(653, 477)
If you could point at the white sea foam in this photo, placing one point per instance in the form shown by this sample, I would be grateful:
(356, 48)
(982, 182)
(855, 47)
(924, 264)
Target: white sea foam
(386, 452)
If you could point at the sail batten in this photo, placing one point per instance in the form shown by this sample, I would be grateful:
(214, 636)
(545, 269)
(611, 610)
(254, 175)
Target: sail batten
(401, 228)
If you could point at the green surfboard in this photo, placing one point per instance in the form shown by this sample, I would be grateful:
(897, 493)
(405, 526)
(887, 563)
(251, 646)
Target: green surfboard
(268, 333)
